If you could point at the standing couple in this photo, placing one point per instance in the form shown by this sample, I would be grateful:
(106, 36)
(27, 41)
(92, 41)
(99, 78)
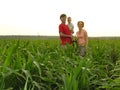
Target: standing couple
(66, 31)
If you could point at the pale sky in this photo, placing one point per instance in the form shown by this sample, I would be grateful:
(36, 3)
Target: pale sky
(41, 17)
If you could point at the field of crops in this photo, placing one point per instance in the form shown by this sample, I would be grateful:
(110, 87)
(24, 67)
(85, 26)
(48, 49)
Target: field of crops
(41, 64)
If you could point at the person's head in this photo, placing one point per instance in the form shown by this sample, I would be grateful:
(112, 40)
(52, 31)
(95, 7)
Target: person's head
(63, 18)
(69, 19)
(80, 24)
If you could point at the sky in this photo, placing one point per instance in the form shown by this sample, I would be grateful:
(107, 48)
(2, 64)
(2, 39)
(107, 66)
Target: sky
(42, 17)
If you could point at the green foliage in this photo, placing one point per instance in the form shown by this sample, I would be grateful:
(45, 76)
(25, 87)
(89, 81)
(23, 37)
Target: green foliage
(45, 65)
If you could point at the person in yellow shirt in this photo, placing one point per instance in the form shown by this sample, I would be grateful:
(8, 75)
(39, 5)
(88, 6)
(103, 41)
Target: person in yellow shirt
(82, 38)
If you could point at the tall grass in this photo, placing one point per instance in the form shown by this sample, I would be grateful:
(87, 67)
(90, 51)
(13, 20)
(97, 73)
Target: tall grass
(44, 65)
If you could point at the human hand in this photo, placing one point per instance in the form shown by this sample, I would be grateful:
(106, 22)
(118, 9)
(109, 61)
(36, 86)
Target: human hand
(72, 36)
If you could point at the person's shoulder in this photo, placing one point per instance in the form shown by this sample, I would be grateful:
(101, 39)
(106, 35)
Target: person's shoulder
(60, 25)
(84, 30)
(77, 32)
(72, 24)
(68, 24)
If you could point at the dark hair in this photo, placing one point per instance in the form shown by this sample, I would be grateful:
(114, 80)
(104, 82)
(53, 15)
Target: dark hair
(62, 15)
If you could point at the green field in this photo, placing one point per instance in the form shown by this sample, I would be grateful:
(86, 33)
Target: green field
(41, 64)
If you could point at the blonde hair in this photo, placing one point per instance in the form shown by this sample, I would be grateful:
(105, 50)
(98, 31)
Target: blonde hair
(69, 17)
(81, 23)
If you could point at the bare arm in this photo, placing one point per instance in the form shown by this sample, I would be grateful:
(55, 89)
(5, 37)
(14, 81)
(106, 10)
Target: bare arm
(72, 29)
(86, 39)
(64, 35)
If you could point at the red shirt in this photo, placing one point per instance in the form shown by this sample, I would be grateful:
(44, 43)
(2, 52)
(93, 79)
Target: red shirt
(64, 29)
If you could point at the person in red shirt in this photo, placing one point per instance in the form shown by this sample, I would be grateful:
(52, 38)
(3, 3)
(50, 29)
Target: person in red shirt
(64, 32)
